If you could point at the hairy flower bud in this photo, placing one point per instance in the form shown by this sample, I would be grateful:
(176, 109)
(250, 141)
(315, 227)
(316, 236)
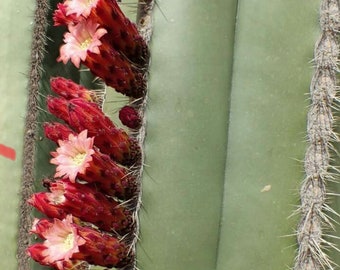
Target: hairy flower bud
(122, 34)
(81, 115)
(69, 89)
(77, 158)
(85, 43)
(83, 202)
(130, 117)
(56, 131)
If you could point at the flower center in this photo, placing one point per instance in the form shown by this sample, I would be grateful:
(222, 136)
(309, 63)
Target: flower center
(56, 198)
(79, 158)
(85, 44)
(68, 242)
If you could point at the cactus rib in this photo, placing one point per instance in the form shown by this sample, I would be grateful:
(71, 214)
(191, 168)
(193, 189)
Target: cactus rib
(320, 136)
(37, 56)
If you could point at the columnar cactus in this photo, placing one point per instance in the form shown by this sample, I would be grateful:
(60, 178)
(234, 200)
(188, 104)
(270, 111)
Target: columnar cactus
(226, 124)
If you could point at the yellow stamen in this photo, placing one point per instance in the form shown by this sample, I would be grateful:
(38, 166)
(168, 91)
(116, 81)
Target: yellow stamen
(86, 43)
(68, 242)
(79, 159)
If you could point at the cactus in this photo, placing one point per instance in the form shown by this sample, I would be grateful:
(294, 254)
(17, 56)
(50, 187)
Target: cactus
(226, 130)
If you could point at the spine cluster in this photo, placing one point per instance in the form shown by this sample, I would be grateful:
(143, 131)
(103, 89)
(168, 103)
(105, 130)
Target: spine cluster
(315, 212)
(92, 201)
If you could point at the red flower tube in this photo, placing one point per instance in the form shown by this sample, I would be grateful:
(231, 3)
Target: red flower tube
(81, 115)
(122, 34)
(83, 202)
(69, 89)
(65, 241)
(77, 158)
(60, 18)
(56, 131)
(84, 44)
(38, 252)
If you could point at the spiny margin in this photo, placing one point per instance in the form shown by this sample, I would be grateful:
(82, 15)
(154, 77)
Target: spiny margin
(144, 18)
(314, 211)
(37, 56)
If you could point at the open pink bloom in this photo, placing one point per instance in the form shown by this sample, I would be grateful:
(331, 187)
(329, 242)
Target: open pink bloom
(80, 7)
(83, 115)
(61, 241)
(73, 156)
(36, 253)
(82, 38)
(66, 243)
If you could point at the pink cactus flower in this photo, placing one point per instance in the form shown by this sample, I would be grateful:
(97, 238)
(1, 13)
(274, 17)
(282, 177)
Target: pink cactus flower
(82, 38)
(122, 35)
(80, 7)
(73, 156)
(66, 243)
(61, 241)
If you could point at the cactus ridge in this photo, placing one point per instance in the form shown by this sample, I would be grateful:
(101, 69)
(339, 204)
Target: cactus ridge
(321, 136)
(37, 55)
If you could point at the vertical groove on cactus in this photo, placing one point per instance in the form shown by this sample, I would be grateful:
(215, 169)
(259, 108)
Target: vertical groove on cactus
(320, 135)
(37, 56)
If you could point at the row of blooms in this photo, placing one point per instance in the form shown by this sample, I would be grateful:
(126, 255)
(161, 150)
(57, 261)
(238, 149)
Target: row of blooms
(90, 185)
(86, 202)
(103, 39)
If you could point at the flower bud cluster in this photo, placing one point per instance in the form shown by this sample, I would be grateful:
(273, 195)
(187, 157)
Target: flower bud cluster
(89, 201)
(86, 199)
(103, 39)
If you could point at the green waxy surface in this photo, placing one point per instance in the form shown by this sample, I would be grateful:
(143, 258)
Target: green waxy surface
(185, 223)
(185, 148)
(15, 34)
(271, 77)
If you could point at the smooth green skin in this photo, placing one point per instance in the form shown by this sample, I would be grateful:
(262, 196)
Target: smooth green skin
(187, 117)
(15, 35)
(273, 46)
(181, 223)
